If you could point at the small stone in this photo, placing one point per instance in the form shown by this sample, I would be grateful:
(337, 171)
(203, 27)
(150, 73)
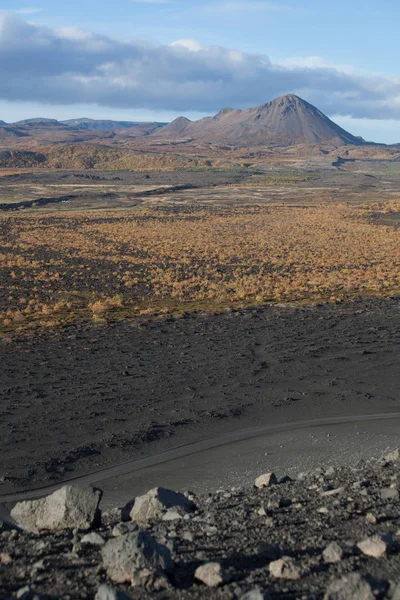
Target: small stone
(332, 553)
(389, 494)
(172, 515)
(93, 538)
(70, 507)
(350, 587)
(335, 492)
(124, 555)
(156, 503)
(188, 536)
(124, 528)
(150, 579)
(265, 480)
(370, 518)
(284, 568)
(27, 593)
(375, 546)
(212, 574)
(323, 510)
(5, 558)
(106, 592)
(392, 456)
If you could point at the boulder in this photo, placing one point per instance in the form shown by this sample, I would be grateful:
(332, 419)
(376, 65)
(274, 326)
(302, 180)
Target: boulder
(284, 568)
(266, 480)
(70, 507)
(350, 587)
(125, 555)
(156, 503)
(211, 573)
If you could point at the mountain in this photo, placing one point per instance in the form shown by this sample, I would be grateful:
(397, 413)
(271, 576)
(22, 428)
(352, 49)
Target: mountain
(38, 122)
(108, 125)
(285, 121)
(2, 123)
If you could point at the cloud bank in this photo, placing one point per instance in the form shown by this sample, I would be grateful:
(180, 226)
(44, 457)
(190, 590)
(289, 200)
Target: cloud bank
(72, 66)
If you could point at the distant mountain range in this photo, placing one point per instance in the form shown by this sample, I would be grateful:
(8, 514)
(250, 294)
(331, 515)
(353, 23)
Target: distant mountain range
(282, 123)
(85, 124)
(285, 121)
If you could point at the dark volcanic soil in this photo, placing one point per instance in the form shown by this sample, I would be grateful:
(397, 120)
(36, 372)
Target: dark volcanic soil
(78, 399)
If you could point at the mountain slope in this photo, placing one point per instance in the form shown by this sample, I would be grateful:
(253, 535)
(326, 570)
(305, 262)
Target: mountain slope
(285, 121)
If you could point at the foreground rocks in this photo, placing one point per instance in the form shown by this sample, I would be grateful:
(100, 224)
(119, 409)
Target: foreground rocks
(330, 534)
(68, 508)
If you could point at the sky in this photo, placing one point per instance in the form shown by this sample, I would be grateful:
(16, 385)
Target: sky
(158, 59)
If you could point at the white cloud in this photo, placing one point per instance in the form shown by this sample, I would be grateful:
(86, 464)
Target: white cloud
(189, 44)
(71, 66)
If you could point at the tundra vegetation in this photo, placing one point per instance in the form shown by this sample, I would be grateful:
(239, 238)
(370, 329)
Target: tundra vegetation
(60, 267)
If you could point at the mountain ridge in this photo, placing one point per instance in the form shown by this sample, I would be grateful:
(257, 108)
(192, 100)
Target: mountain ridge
(285, 121)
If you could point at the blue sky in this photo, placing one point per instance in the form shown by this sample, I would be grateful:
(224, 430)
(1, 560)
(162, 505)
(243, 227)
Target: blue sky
(116, 59)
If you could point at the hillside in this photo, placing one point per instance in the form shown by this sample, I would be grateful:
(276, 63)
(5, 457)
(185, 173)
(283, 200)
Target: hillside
(285, 121)
(91, 156)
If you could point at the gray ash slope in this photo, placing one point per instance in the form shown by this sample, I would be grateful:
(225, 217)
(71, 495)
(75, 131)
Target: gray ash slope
(285, 121)
(331, 534)
(96, 393)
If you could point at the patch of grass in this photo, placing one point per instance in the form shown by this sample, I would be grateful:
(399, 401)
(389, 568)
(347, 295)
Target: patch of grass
(109, 265)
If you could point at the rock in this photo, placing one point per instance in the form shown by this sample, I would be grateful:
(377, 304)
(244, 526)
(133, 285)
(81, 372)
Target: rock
(335, 492)
(172, 515)
(370, 518)
(154, 580)
(106, 592)
(124, 528)
(5, 558)
(27, 593)
(284, 568)
(265, 480)
(70, 507)
(375, 546)
(123, 556)
(350, 587)
(332, 553)
(212, 574)
(93, 538)
(395, 592)
(156, 503)
(392, 456)
(323, 510)
(389, 494)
